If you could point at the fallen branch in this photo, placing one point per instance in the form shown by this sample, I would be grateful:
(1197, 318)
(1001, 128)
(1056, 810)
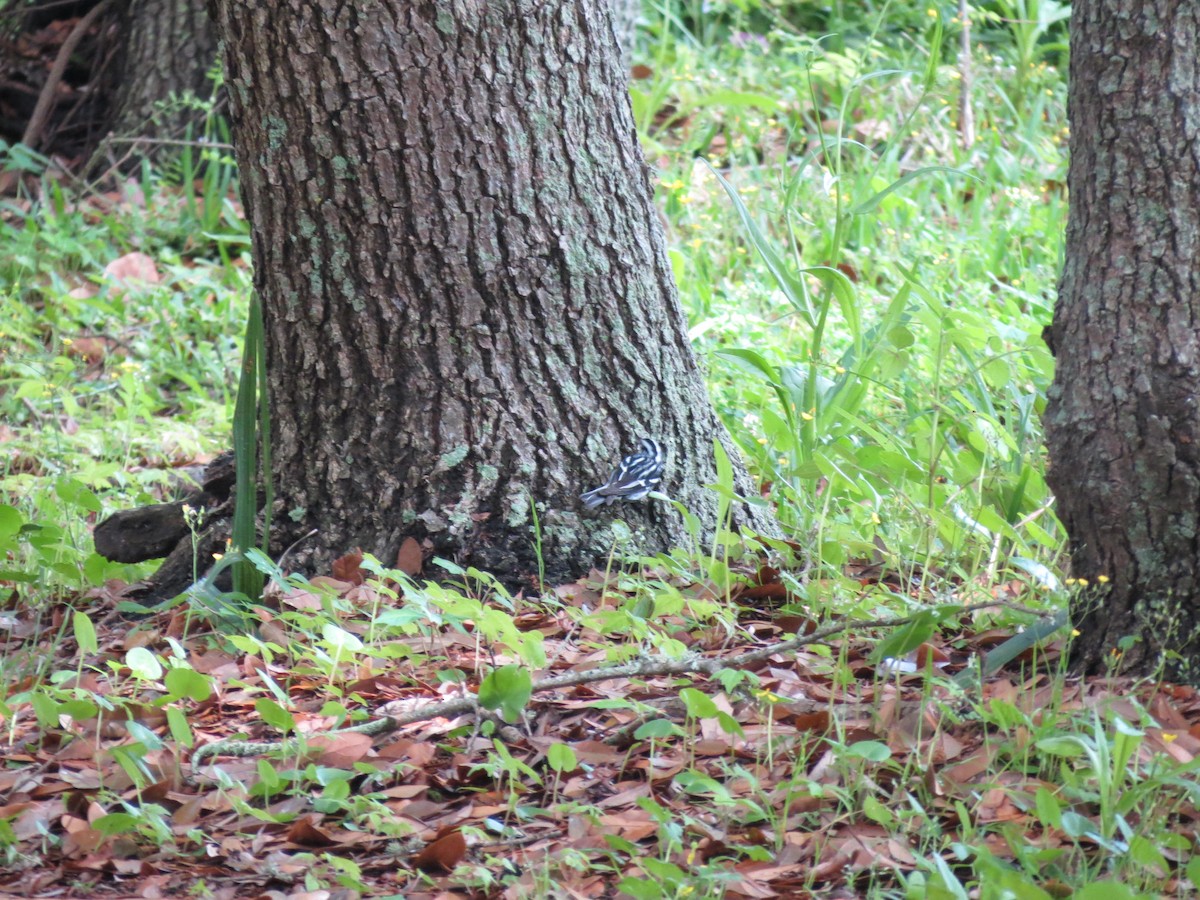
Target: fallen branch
(689, 664)
(41, 112)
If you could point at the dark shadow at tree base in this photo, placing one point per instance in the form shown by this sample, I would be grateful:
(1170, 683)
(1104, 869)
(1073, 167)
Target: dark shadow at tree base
(189, 534)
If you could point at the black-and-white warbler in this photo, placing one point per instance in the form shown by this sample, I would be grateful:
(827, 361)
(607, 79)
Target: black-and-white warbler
(636, 476)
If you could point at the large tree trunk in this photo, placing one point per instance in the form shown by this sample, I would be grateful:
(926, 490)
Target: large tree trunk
(1123, 422)
(168, 48)
(468, 305)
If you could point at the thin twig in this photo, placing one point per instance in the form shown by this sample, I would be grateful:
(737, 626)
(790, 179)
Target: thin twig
(214, 145)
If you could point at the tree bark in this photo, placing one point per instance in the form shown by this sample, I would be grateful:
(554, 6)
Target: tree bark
(169, 46)
(468, 305)
(1122, 421)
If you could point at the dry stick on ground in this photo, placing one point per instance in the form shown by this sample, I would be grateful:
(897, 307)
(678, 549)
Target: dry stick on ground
(41, 112)
(689, 664)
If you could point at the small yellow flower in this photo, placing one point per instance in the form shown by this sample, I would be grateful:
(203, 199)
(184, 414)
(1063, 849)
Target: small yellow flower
(783, 461)
(1075, 632)
(1069, 582)
(807, 416)
(67, 342)
(875, 520)
(841, 370)
(1083, 582)
(931, 12)
(1102, 579)
(740, 251)
(696, 244)
(1168, 737)
(685, 199)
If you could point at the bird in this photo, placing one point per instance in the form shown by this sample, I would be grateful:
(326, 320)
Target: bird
(636, 476)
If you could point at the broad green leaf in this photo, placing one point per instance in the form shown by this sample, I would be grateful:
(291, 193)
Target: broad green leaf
(561, 758)
(1048, 809)
(907, 638)
(506, 689)
(341, 639)
(185, 682)
(85, 633)
(45, 709)
(78, 709)
(873, 751)
(274, 714)
(144, 664)
(76, 493)
(699, 705)
(10, 521)
(655, 729)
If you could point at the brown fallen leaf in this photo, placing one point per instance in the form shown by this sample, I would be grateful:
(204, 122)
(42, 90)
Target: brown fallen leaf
(443, 853)
(410, 559)
(132, 270)
(349, 567)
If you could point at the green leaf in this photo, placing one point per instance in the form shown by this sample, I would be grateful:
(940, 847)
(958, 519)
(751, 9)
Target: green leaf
(1048, 810)
(506, 689)
(1068, 747)
(10, 521)
(76, 493)
(340, 638)
(907, 638)
(699, 705)
(78, 709)
(1144, 852)
(85, 633)
(274, 714)
(246, 578)
(45, 709)
(181, 731)
(656, 729)
(145, 736)
(144, 664)
(1193, 870)
(873, 751)
(185, 682)
(877, 812)
(116, 823)
(561, 758)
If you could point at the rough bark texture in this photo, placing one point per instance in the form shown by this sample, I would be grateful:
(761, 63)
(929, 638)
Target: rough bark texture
(467, 300)
(169, 46)
(1122, 419)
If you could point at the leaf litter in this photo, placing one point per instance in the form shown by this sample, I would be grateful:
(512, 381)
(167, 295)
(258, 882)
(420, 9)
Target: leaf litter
(824, 775)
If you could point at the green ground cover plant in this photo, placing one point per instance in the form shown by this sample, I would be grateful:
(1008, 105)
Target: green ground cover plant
(867, 289)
